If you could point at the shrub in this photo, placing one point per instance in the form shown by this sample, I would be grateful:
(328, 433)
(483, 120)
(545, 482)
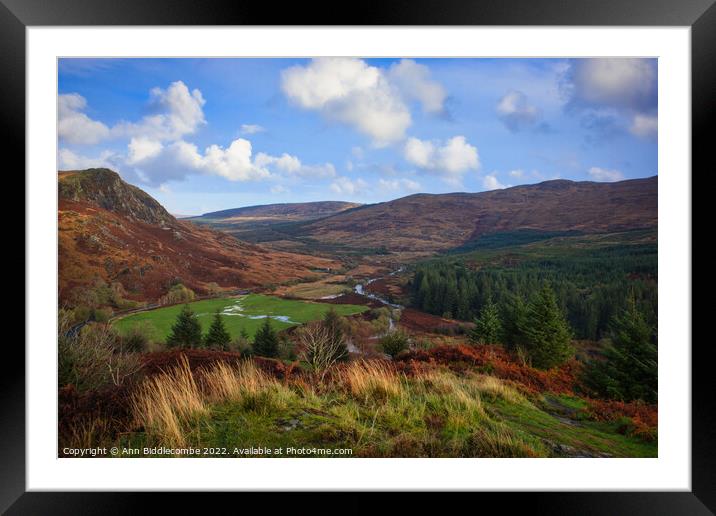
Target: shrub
(394, 343)
(94, 359)
(178, 293)
(286, 348)
(242, 344)
(136, 339)
(319, 348)
(101, 314)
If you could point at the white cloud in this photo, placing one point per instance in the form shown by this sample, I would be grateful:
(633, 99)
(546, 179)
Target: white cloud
(140, 149)
(517, 173)
(395, 185)
(628, 86)
(180, 158)
(414, 82)
(645, 126)
(157, 150)
(69, 160)
(279, 189)
(345, 186)
(605, 175)
(490, 182)
(74, 126)
(515, 111)
(350, 91)
(420, 153)
(450, 160)
(251, 129)
(176, 113)
(615, 82)
(291, 165)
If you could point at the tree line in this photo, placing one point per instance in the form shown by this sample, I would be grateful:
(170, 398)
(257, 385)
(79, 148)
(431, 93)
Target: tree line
(591, 288)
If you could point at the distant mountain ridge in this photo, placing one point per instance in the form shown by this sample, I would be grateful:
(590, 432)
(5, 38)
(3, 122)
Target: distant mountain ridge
(297, 210)
(436, 222)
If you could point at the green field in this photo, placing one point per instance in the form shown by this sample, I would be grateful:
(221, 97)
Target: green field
(246, 312)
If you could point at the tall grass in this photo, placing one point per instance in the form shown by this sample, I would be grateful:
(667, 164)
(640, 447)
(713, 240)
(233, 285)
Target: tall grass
(163, 404)
(370, 406)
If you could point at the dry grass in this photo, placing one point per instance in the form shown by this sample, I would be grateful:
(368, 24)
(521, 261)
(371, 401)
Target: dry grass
(87, 433)
(371, 379)
(165, 402)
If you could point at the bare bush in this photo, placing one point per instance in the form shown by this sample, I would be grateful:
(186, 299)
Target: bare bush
(319, 348)
(94, 358)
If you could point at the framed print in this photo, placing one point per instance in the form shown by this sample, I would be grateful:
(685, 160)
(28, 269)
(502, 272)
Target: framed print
(401, 252)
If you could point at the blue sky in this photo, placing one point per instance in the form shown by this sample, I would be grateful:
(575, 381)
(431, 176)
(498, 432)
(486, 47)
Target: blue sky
(208, 134)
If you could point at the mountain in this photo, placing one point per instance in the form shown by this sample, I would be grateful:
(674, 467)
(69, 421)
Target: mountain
(426, 223)
(283, 212)
(112, 230)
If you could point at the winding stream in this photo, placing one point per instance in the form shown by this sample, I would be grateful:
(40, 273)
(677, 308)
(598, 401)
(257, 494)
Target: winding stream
(360, 289)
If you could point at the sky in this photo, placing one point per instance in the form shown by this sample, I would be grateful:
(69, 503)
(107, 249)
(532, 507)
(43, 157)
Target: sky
(203, 135)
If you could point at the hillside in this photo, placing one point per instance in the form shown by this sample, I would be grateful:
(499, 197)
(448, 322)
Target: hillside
(284, 212)
(437, 222)
(111, 230)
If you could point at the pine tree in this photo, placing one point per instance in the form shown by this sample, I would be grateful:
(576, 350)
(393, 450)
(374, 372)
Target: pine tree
(218, 337)
(488, 328)
(332, 322)
(630, 369)
(186, 332)
(547, 334)
(513, 314)
(266, 341)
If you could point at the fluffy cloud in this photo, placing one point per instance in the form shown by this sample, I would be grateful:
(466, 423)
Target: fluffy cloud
(515, 111)
(350, 91)
(626, 87)
(490, 182)
(519, 174)
(69, 160)
(176, 112)
(140, 149)
(73, 125)
(616, 82)
(450, 160)
(292, 166)
(645, 126)
(413, 80)
(251, 129)
(605, 175)
(180, 158)
(398, 185)
(345, 186)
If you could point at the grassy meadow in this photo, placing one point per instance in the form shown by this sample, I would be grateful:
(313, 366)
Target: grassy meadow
(245, 312)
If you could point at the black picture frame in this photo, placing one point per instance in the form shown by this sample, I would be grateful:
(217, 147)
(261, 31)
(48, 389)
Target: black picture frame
(700, 15)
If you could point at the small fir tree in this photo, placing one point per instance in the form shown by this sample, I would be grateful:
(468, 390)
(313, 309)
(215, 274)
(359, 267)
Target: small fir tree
(546, 331)
(488, 328)
(186, 332)
(630, 369)
(266, 341)
(217, 337)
